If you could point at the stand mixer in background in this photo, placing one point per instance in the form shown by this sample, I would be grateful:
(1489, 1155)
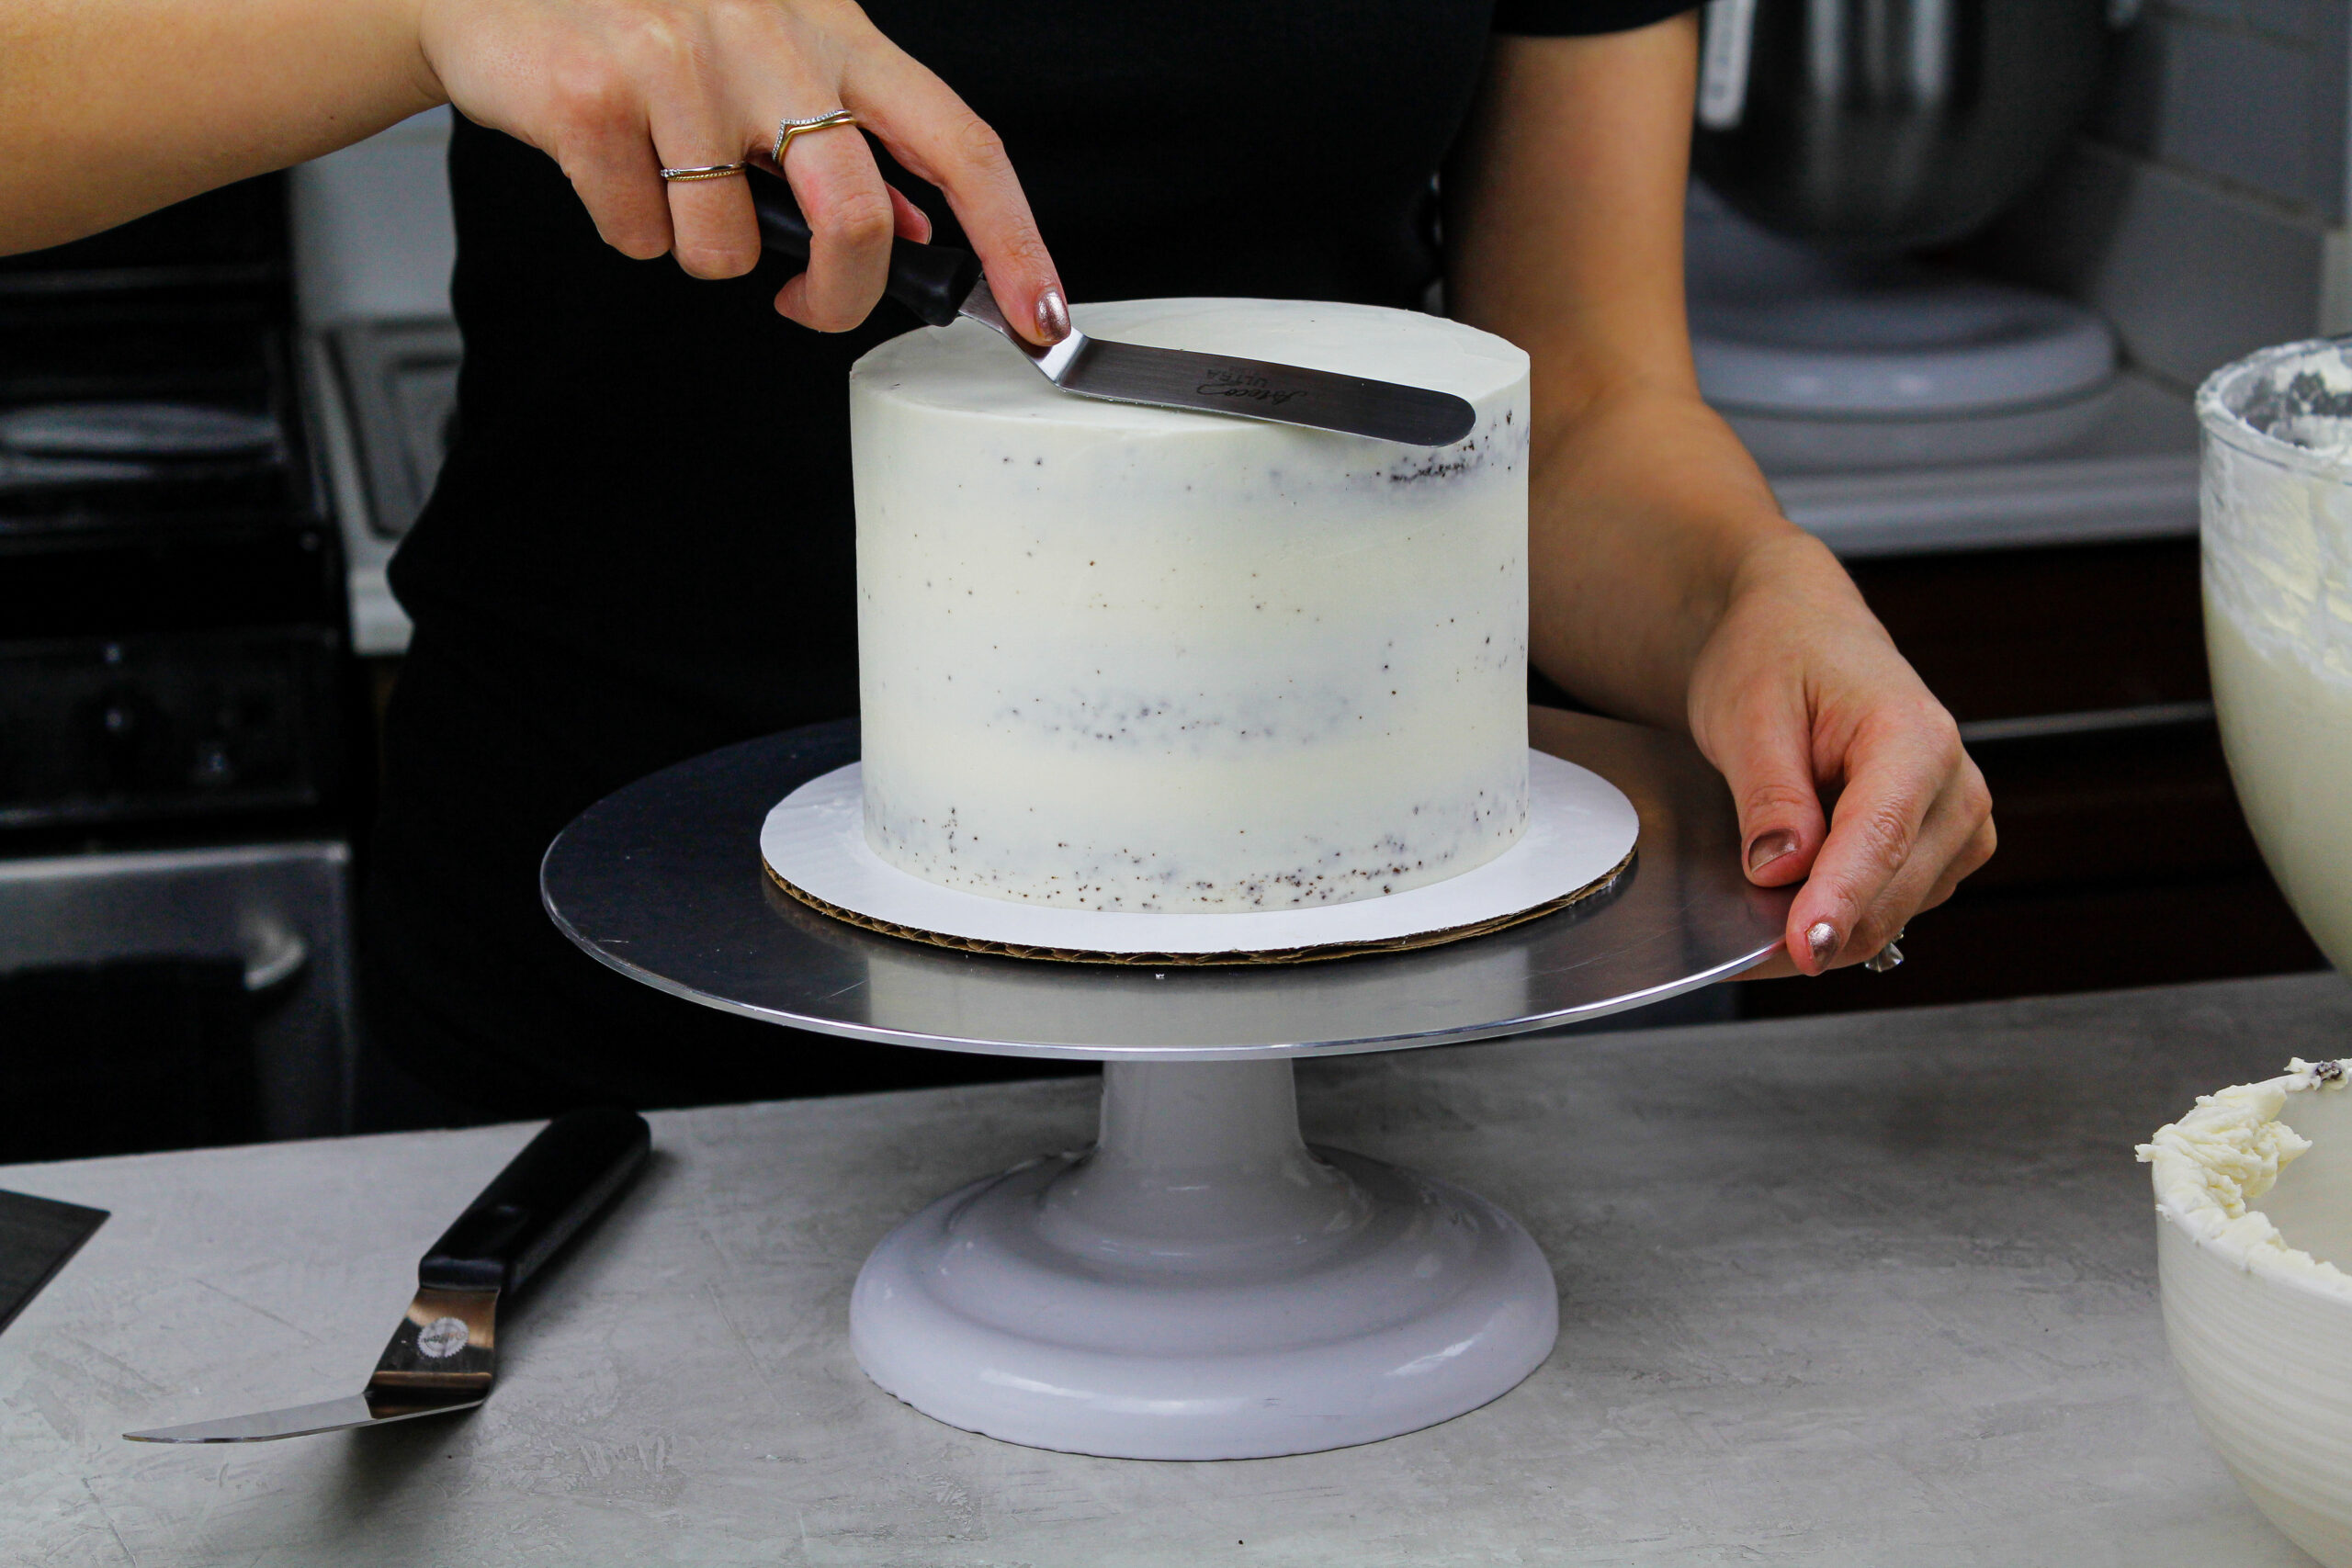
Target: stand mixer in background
(1836, 136)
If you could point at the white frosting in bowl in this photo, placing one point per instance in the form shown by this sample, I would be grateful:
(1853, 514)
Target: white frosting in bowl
(2253, 1187)
(2251, 1211)
(2215, 1163)
(2275, 514)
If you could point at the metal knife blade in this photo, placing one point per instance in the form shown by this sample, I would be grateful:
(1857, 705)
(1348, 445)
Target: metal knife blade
(939, 283)
(301, 1421)
(443, 1357)
(1254, 388)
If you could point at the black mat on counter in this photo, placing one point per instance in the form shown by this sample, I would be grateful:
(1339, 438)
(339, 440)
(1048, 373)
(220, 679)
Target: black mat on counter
(37, 1236)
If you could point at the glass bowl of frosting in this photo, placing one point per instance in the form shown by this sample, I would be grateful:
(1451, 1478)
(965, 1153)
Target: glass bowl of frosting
(2275, 521)
(2253, 1217)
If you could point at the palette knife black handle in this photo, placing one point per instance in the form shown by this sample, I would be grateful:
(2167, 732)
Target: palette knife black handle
(933, 281)
(545, 1194)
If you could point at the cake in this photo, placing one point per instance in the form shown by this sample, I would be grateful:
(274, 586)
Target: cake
(1128, 658)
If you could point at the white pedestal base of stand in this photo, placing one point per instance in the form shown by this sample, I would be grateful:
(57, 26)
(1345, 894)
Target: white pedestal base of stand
(1202, 1285)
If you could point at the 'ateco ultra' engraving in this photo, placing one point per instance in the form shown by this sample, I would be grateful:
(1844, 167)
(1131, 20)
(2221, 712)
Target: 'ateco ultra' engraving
(1222, 383)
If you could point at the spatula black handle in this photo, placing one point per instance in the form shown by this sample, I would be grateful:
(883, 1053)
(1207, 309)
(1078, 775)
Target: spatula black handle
(545, 1194)
(930, 280)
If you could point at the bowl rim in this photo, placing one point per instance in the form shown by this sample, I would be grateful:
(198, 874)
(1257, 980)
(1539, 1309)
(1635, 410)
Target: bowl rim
(2175, 1172)
(2222, 423)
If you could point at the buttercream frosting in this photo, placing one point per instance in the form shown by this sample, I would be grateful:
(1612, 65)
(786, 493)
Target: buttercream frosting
(2214, 1164)
(1129, 659)
(2277, 525)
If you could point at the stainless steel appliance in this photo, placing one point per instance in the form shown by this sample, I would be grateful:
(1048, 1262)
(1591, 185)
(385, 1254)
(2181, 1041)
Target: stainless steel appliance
(173, 997)
(1833, 137)
(175, 787)
(1889, 124)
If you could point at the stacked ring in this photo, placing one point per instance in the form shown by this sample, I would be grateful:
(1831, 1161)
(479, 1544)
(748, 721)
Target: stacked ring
(791, 128)
(706, 172)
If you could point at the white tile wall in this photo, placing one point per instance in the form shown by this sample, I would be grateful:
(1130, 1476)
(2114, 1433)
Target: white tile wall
(2192, 274)
(2306, 20)
(2254, 109)
(2204, 208)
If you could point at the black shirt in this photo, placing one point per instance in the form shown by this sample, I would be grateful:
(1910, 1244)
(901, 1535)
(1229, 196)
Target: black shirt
(641, 547)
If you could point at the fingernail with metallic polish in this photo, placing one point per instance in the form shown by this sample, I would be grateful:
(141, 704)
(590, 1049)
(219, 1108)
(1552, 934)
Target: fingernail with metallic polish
(1822, 937)
(1769, 847)
(1053, 316)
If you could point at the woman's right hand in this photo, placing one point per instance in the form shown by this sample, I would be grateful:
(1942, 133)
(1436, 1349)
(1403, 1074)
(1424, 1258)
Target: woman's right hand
(617, 90)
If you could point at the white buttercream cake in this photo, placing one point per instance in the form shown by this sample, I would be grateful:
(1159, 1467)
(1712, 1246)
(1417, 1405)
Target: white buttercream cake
(1129, 659)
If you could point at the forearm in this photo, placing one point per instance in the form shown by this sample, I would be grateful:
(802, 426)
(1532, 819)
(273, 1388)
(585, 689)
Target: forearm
(1634, 559)
(1564, 224)
(1666, 585)
(109, 108)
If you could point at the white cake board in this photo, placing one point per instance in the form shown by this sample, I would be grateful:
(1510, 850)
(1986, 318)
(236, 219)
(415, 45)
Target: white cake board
(1580, 828)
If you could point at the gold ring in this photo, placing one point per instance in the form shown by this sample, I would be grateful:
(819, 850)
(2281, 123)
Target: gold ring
(791, 128)
(707, 172)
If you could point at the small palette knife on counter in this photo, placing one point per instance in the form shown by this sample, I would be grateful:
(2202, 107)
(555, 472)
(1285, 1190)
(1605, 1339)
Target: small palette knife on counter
(939, 283)
(443, 1355)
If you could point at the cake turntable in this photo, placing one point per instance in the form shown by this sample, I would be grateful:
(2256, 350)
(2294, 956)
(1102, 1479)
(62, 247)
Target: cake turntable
(1200, 1284)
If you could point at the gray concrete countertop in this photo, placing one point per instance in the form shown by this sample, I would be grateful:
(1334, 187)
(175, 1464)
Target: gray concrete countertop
(1873, 1291)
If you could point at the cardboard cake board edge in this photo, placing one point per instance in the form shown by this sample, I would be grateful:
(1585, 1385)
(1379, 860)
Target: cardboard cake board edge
(1404, 944)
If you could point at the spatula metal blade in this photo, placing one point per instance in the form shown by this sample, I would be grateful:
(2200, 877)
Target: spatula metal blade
(1254, 388)
(303, 1420)
(442, 1358)
(1289, 394)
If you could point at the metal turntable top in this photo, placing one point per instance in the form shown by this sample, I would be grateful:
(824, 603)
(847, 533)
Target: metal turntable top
(662, 881)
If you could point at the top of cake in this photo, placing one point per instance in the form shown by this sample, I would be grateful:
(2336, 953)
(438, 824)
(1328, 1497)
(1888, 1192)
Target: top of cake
(968, 368)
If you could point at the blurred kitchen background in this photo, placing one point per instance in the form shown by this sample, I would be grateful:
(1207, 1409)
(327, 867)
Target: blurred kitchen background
(1954, 284)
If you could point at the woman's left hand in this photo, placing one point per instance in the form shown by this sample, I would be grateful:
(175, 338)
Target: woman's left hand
(1848, 773)
(1667, 586)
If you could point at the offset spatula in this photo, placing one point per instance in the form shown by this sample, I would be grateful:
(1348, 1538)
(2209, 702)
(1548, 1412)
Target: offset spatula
(939, 283)
(443, 1355)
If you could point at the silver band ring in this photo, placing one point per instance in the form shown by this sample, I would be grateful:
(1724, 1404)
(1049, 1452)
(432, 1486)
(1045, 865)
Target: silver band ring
(707, 172)
(1888, 957)
(791, 128)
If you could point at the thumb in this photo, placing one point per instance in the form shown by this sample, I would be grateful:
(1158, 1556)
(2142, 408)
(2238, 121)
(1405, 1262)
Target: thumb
(1765, 754)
